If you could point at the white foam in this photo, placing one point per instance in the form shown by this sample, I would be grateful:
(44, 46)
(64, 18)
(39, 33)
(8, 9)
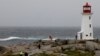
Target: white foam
(29, 38)
(9, 38)
(20, 38)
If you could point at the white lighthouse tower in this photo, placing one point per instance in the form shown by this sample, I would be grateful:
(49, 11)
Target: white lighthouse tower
(86, 32)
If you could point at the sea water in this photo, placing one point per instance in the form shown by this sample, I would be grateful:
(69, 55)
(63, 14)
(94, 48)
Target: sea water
(28, 34)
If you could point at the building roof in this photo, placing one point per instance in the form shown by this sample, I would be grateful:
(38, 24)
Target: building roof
(87, 5)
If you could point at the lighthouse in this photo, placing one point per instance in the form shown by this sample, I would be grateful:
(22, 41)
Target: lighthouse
(86, 32)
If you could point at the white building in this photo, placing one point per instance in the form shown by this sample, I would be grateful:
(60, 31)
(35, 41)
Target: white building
(86, 32)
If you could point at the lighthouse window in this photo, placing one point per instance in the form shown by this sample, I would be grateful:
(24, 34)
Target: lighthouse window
(86, 35)
(89, 17)
(90, 25)
(90, 34)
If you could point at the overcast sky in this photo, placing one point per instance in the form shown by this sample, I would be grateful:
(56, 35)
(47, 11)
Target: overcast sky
(46, 13)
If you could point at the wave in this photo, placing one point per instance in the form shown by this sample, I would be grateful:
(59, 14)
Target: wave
(18, 38)
(30, 38)
(9, 38)
(22, 38)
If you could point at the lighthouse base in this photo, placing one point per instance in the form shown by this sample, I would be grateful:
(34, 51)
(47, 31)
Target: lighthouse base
(81, 36)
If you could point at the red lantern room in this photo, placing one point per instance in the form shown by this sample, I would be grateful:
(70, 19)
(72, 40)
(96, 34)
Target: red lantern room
(87, 8)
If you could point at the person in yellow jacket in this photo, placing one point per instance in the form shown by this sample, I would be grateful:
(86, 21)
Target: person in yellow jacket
(21, 53)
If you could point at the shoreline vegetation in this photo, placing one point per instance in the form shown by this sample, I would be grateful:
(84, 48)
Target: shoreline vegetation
(53, 48)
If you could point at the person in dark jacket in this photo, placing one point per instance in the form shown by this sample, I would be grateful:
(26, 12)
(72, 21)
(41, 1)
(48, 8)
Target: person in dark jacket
(25, 54)
(39, 46)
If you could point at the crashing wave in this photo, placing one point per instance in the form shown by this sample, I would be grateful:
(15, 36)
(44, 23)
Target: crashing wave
(30, 38)
(17, 38)
(9, 38)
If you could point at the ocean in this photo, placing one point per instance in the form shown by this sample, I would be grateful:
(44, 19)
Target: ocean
(27, 34)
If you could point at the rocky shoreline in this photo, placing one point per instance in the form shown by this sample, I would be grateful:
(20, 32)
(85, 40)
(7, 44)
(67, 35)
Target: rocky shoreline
(54, 48)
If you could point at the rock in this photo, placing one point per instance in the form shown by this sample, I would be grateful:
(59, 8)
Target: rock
(97, 53)
(56, 49)
(80, 46)
(63, 54)
(92, 45)
(2, 49)
(60, 54)
(61, 42)
(49, 52)
(71, 41)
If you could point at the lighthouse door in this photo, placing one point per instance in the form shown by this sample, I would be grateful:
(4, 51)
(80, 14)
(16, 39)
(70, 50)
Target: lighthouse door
(80, 35)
